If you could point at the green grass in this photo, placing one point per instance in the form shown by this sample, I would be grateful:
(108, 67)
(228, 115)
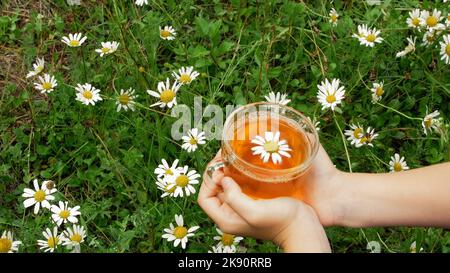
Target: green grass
(104, 161)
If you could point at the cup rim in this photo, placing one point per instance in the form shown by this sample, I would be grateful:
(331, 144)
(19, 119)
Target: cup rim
(303, 166)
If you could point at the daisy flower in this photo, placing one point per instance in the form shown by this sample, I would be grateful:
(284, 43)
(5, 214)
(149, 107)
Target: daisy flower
(397, 163)
(368, 137)
(431, 20)
(185, 75)
(165, 169)
(141, 2)
(354, 134)
(362, 32)
(377, 91)
(330, 94)
(415, 20)
(333, 17)
(166, 94)
(430, 122)
(413, 248)
(63, 213)
(167, 33)
(73, 236)
(87, 94)
(7, 243)
(46, 84)
(445, 49)
(74, 40)
(277, 98)
(270, 146)
(107, 48)
(227, 241)
(411, 47)
(126, 100)
(374, 247)
(183, 181)
(429, 38)
(180, 233)
(167, 185)
(193, 138)
(447, 21)
(219, 249)
(38, 66)
(40, 196)
(371, 37)
(52, 240)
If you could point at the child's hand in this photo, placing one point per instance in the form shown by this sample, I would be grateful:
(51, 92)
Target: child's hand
(288, 222)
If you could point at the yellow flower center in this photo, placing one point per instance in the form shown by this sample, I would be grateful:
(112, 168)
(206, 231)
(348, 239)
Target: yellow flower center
(271, 147)
(47, 85)
(448, 17)
(379, 92)
(64, 214)
(331, 98)
(74, 43)
(363, 140)
(105, 50)
(432, 21)
(427, 123)
(88, 94)
(141, 69)
(39, 68)
(39, 196)
(167, 96)
(227, 239)
(182, 181)
(5, 245)
(124, 99)
(192, 141)
(165, 33)
(180, 232)
(416, 21)
(185, 78)
(76, 238)
(447, 49)
(430, 38)
(371, 38)
(52, 242)
(334, 17)
(357, 132)
(398, 167)
(168, 172)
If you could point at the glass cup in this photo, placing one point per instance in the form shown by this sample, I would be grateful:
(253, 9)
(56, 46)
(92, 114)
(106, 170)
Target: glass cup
(271, 176)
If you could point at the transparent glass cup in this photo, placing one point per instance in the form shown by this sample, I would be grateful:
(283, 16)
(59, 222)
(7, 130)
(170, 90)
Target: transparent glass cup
(264, 180)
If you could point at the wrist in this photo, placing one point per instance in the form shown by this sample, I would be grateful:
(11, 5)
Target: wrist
(349, 201)
(304, 233)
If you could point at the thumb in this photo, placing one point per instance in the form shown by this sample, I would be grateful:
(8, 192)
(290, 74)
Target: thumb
(237, 200)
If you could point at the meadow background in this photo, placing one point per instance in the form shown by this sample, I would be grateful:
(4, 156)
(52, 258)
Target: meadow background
(104, 160)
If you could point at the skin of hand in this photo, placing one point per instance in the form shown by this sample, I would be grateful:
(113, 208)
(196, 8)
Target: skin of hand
(288, 222)
(322, 188)
(417, 197)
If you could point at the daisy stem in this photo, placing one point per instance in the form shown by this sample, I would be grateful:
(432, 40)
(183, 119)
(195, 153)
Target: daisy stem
(398, 112)
(82, 57)
(377, 158)
(344, 142)
(84, 65)
(388, 249)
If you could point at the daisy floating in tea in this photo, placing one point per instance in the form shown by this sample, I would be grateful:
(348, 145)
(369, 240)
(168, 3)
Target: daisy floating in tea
(270, 146)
